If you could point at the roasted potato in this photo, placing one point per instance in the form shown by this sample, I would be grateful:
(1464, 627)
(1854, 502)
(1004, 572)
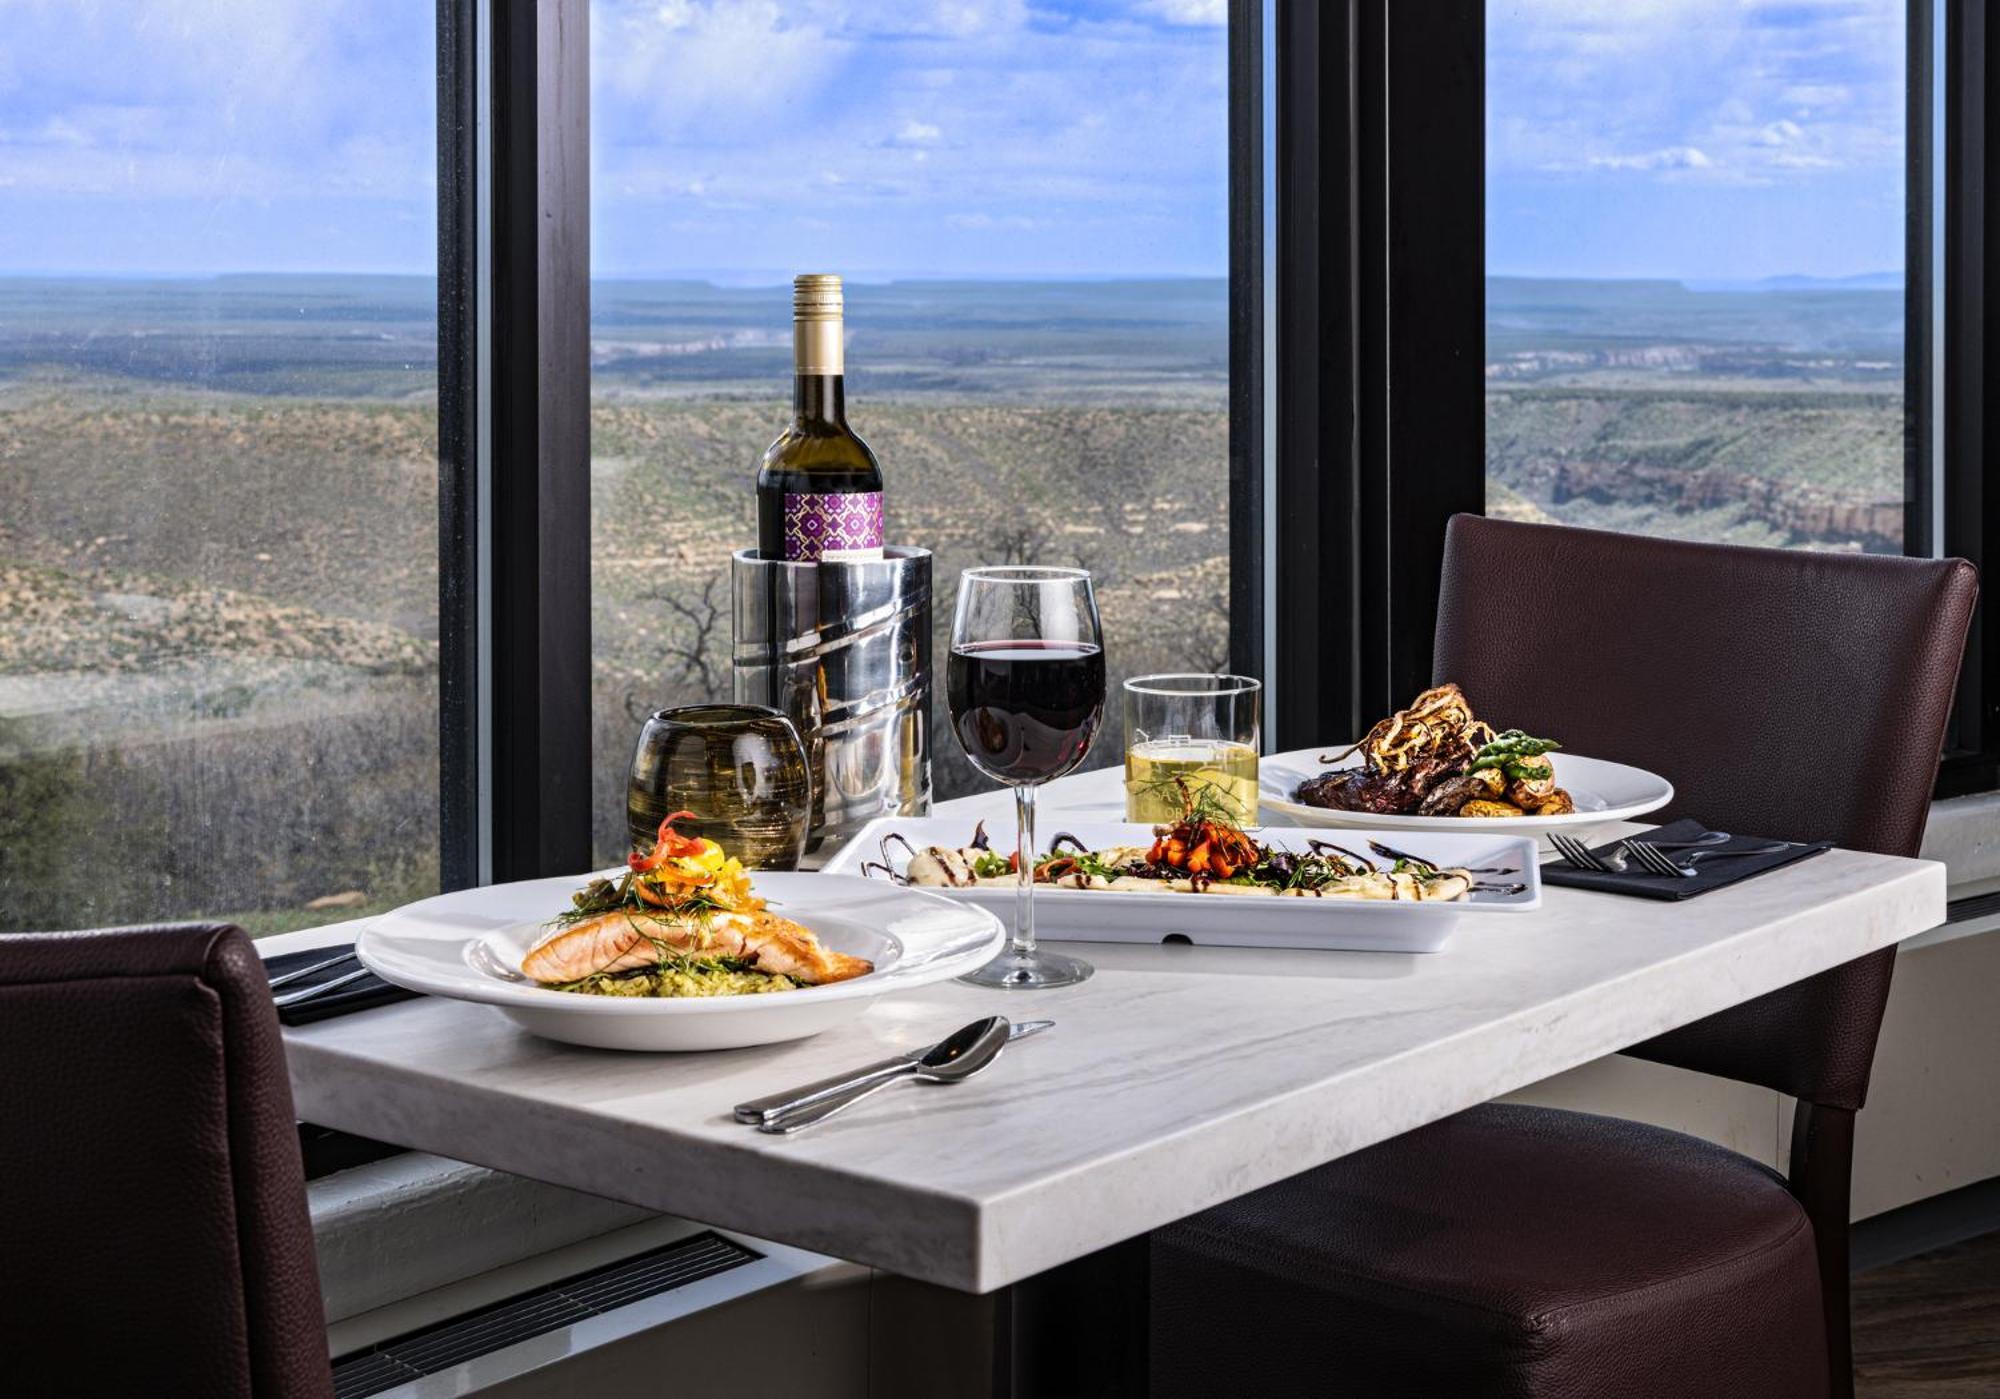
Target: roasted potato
(1532, 791)
(1556, 803)
(1490, 808)
(1491, 782)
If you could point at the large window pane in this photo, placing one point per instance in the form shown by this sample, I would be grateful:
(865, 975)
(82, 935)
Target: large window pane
(1695, 220)
(1030, 206)
(217, 461)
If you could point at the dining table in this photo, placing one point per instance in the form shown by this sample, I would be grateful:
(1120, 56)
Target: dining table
(1176, 1078)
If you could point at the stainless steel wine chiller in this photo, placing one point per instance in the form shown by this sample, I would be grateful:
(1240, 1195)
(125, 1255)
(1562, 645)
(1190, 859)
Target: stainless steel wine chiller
(845, 650)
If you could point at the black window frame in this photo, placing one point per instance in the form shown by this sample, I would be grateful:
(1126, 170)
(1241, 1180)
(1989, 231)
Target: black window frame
(1969, 374)
(1380, 345)
(513, 439)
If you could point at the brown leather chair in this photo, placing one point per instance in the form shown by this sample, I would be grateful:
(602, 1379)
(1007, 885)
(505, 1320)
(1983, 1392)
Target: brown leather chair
(1516, 1251)
(154, 1238)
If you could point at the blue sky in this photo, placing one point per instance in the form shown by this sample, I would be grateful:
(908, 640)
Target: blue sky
(217, 135)
(1693, 138)
(1703, 139)
(954, 137)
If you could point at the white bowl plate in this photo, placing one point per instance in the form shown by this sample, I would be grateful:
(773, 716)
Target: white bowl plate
(1225, 920)
(1603, 792)
(468, 946)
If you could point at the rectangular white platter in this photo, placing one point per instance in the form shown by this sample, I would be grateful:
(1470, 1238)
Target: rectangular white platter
(1225, 920)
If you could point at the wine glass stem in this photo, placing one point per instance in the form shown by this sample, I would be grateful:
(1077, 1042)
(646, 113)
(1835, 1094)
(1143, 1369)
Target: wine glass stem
(1024, 879)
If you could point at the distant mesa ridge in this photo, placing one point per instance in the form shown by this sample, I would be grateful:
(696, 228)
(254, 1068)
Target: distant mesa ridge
(1504, 285)
(1795, 507)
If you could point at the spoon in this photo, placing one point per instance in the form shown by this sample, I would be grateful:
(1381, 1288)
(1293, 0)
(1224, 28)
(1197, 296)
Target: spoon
(840, 1085)
(957, 1057)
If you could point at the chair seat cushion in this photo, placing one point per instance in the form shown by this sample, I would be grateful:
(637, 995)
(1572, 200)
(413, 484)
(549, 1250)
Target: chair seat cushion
(1505, 1251)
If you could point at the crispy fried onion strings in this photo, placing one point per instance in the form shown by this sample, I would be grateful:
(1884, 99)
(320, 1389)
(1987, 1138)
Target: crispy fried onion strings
(1437, 724)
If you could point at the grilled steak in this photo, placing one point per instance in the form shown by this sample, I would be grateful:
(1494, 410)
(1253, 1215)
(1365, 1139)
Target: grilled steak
(1357, 789)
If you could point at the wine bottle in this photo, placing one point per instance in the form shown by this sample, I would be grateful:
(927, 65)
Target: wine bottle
(819, 489)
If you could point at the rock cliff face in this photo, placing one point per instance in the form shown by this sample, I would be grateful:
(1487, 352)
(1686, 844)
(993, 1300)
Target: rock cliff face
(1811, 514)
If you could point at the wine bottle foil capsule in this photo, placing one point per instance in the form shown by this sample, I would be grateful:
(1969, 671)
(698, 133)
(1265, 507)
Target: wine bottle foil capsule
(845, 650)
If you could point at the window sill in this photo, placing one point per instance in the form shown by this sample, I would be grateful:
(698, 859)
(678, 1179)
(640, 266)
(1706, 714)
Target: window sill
(1964, 834)
(408, 1224)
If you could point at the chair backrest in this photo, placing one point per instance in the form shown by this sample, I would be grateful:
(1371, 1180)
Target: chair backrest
(1783, 693)
(155, 1237)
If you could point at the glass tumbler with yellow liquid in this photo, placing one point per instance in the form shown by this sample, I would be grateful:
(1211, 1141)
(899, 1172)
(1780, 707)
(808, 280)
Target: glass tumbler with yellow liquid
(1201, 730)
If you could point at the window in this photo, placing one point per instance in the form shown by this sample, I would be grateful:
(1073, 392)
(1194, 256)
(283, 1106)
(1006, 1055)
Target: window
(1671, 242)
(1031, 208)
(218, 466)
(1695, 247)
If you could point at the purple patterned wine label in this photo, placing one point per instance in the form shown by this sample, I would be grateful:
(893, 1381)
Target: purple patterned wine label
(833, 528)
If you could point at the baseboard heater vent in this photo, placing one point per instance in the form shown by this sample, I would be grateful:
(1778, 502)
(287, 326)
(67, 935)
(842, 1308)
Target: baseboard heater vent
(438, 1348)
(1967, 909)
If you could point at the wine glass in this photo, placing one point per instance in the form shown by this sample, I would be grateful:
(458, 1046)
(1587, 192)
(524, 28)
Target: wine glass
(1025, 684)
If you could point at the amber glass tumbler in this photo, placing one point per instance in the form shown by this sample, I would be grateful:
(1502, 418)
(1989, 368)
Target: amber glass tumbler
(741, 770)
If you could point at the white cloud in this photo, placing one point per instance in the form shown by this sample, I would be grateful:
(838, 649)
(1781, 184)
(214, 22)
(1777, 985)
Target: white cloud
(1817, 97)
(980, 222)
(1668, 158)
(1017, 148)
(710, 71)
(1073, 136)
(218, 99)
(1188, 12)
(917, 133)
(906, 19)
(1706, 91)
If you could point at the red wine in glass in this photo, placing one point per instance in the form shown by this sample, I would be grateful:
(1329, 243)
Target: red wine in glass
(1025, 687)
(1025, 710)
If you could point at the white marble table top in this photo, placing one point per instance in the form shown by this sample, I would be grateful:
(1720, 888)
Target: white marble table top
(1176, 1078)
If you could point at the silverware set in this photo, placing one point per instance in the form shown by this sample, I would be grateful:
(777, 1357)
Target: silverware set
(1674, 859)
(953, 1059)
(307, 993)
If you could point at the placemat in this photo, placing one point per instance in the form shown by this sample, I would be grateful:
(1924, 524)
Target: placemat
(368, 992)
(1709, 874)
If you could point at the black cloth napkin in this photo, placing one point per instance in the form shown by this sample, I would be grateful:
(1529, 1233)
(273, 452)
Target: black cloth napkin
(368, 992)
(1709, 874)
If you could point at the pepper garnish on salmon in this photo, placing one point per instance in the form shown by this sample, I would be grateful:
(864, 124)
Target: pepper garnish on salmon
(685, 908)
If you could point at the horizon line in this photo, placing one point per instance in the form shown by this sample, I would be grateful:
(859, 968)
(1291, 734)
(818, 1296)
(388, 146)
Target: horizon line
(756, 281)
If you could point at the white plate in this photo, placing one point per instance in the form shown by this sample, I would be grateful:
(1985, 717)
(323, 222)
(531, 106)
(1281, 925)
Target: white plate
(469, 945)
(1603, 792)
(1224, 920)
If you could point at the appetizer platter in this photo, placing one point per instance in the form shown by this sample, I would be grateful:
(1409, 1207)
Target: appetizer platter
(678, 950)
(1435, 766)
(1102, 881)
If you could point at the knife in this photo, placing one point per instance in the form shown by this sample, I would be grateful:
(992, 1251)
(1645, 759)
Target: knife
(763, 1109)
(307, 993)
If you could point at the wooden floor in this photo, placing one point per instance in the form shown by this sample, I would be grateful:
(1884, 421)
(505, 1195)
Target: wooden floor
(1929, 1327)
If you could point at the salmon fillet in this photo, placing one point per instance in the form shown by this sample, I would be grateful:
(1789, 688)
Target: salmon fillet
(624, 939)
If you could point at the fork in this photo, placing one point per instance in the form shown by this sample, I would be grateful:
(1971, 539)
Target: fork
(1658, 861)
(1575, 852)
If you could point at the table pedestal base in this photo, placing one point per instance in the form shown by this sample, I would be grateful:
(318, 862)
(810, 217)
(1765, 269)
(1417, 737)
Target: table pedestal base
(1078, 1330)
